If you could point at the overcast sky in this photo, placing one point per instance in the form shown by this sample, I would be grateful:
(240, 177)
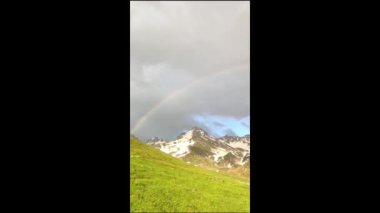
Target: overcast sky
(189, 67)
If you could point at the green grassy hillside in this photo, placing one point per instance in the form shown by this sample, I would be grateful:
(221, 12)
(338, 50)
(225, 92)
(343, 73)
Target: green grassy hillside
(162, 183)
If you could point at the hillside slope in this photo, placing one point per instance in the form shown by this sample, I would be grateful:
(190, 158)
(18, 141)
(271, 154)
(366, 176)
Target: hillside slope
(162, 183)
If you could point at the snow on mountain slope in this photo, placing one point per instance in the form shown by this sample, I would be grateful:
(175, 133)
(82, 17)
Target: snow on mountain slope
(196, 145)
(239, 144)
(218, 153)
(177, 148)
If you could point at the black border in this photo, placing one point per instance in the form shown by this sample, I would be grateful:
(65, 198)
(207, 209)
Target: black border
(127, 102)
(70, 110)
(253, 165)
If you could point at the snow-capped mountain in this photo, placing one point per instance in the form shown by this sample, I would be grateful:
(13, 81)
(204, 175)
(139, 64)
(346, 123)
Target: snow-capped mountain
(154, 140)
(196, 146)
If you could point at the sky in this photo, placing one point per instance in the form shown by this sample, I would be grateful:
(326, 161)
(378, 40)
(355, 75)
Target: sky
(189, 67)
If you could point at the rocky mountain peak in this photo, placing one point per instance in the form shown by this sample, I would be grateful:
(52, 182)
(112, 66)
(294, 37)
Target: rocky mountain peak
(154, 139)
(198, 129)
(193, 132)
(229, 139)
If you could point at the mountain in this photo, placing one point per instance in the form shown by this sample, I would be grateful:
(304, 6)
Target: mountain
(162, 183)
(134, 137)
(197, 147)
(154, 139)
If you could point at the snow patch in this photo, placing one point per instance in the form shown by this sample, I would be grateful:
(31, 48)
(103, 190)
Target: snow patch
(239, 144)
(219, 152)
(178, 148)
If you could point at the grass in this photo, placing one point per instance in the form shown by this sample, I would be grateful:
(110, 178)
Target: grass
(162, 183)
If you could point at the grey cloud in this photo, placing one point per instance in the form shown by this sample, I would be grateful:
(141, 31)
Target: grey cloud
(176, 43)
(218, 124)
(229, 132)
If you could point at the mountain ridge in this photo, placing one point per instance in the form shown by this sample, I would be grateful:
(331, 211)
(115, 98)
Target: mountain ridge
(197, 147)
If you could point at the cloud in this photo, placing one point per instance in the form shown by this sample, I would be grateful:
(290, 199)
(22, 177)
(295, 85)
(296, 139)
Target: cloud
(197, 50)
(219, 125)
(244, 124)
(229, 132)
(216, 123)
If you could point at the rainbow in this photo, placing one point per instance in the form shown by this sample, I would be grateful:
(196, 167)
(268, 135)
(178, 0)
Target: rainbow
(177, 93)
